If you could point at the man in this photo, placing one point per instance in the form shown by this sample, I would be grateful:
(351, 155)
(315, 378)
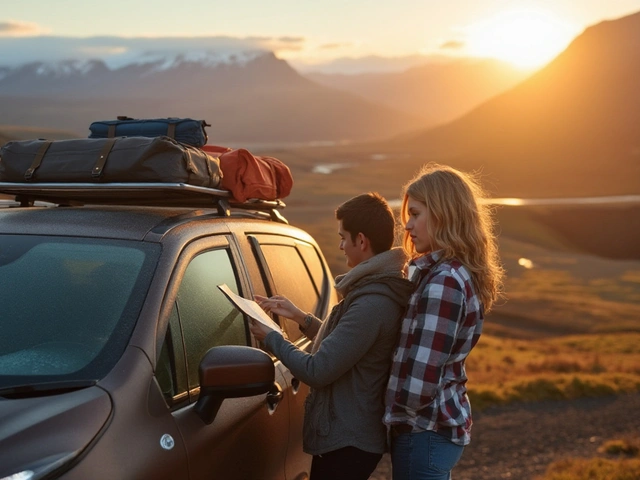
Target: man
(349, 363)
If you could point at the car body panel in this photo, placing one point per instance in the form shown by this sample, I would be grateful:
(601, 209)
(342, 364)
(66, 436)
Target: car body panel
(68, 421)
(131, 447)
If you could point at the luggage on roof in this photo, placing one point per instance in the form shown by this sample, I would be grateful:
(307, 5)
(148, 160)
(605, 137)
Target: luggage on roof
(184, 130)
(103, 160)
(252, 176)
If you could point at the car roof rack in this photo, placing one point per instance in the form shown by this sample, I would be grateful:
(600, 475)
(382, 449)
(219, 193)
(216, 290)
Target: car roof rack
(147, 194)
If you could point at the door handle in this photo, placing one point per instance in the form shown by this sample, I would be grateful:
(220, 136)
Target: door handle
(274, 396)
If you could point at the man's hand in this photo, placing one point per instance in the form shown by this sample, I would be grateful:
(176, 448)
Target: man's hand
(259, 330)
(280, 305)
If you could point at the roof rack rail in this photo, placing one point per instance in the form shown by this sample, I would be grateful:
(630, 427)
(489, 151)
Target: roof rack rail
(149, 194)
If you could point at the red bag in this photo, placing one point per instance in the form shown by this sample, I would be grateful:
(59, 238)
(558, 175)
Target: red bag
(250, 176)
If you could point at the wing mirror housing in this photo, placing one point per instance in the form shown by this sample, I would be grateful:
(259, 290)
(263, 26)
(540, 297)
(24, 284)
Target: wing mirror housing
(232, 371)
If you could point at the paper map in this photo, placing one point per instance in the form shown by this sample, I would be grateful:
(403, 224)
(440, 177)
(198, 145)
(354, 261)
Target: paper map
(249, 307)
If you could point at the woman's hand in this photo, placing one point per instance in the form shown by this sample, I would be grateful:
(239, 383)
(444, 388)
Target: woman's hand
(280, 305)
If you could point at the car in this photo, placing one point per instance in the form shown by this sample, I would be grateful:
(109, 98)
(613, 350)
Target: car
(119, 356)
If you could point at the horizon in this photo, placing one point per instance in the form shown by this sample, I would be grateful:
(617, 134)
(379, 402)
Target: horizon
(360, 37)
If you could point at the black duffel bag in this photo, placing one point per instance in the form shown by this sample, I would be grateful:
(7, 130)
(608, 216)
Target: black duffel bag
(113, 160)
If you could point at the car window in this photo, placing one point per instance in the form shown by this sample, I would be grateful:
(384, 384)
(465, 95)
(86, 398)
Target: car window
(292, 278)
(316, 270)
(68, 306)
(208, 319)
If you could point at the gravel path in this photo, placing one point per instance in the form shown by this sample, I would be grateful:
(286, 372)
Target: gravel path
(520, 441)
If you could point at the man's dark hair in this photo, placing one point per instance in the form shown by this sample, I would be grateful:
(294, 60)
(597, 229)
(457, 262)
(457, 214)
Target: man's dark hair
(370, 215)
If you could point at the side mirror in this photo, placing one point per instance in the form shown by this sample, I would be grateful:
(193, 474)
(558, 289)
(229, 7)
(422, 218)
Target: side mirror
(232, 371)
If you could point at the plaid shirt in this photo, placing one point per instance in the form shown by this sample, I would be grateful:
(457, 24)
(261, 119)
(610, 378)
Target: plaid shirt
(427, 387)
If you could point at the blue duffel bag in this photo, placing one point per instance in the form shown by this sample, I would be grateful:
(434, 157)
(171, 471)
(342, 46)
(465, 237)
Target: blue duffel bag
(183, 130)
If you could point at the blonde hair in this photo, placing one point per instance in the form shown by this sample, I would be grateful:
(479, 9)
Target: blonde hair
(459, 223)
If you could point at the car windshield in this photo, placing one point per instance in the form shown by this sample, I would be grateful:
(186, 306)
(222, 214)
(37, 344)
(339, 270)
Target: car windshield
(68, 306)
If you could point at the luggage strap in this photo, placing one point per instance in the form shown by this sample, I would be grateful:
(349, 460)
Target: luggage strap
(102, 159)
(37, 160)
(171, 130)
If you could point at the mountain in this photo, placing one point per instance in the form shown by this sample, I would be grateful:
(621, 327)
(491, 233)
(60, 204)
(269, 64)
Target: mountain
(251, 97)
(437, 92)
(569, 129)
(16, 132)
(366, 64)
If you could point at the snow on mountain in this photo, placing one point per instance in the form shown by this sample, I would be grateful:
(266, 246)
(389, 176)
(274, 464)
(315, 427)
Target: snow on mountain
(148, 72)
(64, 68)
(159, 61)
(208, 59)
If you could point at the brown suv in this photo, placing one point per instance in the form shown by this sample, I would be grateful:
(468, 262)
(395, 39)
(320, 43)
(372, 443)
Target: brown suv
(119, 356)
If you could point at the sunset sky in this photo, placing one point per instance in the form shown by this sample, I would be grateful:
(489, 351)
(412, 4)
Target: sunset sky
(526, 33)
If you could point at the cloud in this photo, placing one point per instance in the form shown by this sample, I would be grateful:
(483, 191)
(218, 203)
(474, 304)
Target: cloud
(334, 46)
(278, 44)
(13, 28)
(291, 40)
(102, 51)
(452, 45)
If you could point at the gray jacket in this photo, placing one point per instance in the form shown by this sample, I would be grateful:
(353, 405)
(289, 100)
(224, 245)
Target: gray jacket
(348, 366)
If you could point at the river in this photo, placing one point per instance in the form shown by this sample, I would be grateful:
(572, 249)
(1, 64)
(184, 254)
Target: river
(574, 201)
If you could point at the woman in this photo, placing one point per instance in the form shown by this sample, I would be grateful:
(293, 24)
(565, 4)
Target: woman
(458, 276)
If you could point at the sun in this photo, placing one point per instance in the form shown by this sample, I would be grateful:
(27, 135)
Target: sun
(524, 38)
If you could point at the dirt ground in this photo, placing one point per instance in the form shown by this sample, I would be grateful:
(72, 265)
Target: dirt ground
(520, 441)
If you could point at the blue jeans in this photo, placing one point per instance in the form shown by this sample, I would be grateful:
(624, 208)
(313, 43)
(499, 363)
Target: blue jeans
(423, 456)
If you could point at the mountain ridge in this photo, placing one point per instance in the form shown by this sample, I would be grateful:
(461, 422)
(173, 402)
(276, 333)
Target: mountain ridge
(239, 99)
(574, 120)
(439, 93)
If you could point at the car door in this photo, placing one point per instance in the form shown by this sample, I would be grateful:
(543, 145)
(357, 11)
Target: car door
(248, 437)
(295, 269)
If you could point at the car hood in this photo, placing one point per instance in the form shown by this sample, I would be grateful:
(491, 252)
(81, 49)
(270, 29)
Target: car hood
(41, 434)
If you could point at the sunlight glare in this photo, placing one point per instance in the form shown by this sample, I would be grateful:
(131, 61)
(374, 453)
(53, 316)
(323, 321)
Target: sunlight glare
(525, 262)
(524, 38)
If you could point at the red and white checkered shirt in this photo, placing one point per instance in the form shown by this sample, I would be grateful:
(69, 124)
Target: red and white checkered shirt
(427, 387)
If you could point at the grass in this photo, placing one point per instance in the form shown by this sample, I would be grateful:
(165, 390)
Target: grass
(559, 368)
(566, 291)
(594, 469)
(620, 462)
(583, 302)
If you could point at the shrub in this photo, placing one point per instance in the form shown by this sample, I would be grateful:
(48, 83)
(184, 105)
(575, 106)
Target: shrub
(593, 469)
(484, 398)
(508, 359)
(629, 447)
(535, 390)
(579, 387)
(558, 366)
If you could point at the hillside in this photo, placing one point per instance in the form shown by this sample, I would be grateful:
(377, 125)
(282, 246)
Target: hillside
(572, 126)
(436, 92)
(17, 132)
